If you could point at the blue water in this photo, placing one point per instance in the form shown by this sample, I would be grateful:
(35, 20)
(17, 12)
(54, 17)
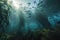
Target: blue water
(27, 17)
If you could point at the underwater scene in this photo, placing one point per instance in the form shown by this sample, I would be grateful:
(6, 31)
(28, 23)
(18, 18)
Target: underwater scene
(29, 19)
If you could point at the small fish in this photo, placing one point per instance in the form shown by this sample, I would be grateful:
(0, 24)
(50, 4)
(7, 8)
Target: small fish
(33, 7)
(29, 3)
(34, 2)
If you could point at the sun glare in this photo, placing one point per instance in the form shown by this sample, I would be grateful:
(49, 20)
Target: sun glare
(17, 3)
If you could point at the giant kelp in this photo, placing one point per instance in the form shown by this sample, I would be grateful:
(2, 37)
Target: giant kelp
(39, 22)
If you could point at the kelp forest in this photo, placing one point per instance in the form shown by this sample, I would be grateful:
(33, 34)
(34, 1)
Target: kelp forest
(29, 19)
